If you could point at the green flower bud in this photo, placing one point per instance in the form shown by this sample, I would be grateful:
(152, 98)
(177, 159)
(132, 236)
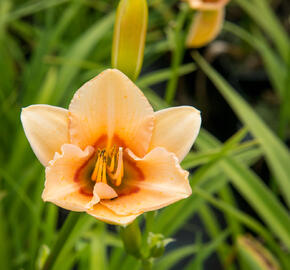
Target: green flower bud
(43, 253)
(130, 36)
(157, 244)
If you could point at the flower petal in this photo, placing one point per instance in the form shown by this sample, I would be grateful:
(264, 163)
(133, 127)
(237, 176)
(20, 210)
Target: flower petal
(103, 213)
(46, 128)
(176, 129)
(61, 188)
(207, 5)
(104, 191)
(111, 105)
(205, 27)
(164, 183)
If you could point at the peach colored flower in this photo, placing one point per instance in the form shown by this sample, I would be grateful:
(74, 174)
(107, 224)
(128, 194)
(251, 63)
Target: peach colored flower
(207, 21)
(109, 154)
(207, 4)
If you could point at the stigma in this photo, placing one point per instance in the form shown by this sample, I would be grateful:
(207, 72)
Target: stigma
(109, 166)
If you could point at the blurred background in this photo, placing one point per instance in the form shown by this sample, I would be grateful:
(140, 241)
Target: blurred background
(238, 216)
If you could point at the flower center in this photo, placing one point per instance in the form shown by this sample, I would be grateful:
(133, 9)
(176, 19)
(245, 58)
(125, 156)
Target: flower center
(109, 164)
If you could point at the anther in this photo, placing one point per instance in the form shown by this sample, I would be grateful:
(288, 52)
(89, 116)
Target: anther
(113, 158)
(120, 169)
(110, 163)
(95, 172)
(104, 176)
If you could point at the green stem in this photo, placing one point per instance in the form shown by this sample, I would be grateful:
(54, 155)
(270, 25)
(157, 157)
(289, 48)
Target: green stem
(147, 264)
(284, 109)
(132, 239)
(65, 231)
(149, 218)
(178, 53)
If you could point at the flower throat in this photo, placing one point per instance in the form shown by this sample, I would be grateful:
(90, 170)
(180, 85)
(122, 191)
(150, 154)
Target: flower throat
(109, 163)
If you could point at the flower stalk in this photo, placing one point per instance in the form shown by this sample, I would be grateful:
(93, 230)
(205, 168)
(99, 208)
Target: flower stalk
(132, 239)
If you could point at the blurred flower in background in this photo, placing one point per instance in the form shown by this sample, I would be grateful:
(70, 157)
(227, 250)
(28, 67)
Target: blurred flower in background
(207, 21)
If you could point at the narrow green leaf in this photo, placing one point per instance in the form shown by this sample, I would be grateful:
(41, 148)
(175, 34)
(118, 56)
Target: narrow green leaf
(277, 154)
(79, 50)
(173, 257)
(275, 66)
(206, 251)
(255, 192)
(213, 229)
(32, 7)
(245, 219)
(163, 75)
(5, 243)
(167, 223)
(20, 194)
(194, 159)
(98, 257)
(267, 20)
(215, 180)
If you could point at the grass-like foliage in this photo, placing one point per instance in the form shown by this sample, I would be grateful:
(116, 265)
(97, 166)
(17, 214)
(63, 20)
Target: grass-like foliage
(49, 48)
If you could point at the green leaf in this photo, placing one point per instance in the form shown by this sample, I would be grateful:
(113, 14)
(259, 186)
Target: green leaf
(18, 191)
(213, 180)
(5, 242)
(71, 230)
(246, 220)
(163, 75)
(98, 258)
(79, 50)
(206, 251)
(275, 66)
(267, 20)
(32, 7)
(255, 192)
(277, 154)
(213, 229)
(173, 257)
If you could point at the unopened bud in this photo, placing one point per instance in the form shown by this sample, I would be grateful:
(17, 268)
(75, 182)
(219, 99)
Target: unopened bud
(205, 26)
(130, 36)
(255, 255)
(157, 244)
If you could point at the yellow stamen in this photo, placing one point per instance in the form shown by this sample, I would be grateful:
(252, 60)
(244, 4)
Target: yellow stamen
(95, 172)
(119, 171)
(111, 163)
(113, 158)
(100, 169)
(104, 176)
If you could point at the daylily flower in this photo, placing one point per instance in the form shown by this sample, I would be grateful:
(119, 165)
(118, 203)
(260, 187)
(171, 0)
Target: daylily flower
(207, 21)
(109, 154)
(207, 4)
